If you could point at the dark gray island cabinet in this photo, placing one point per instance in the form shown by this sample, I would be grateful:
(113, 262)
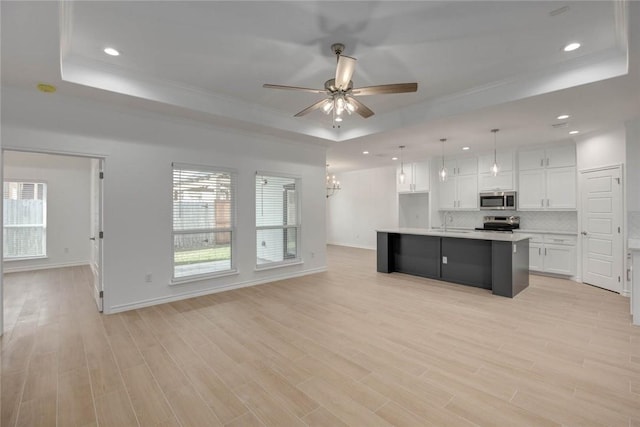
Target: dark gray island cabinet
(489, 260)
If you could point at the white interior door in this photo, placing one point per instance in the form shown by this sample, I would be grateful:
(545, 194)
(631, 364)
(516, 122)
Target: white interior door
(96, 230)
(602, 228)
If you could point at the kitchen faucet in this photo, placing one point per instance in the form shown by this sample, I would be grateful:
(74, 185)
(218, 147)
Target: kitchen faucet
(446, 216)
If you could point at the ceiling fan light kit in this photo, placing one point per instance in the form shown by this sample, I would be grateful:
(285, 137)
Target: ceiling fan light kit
(341, 93)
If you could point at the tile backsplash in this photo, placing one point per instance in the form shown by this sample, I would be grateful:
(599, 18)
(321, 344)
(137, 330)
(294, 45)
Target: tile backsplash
(529, 220)
(633, 223)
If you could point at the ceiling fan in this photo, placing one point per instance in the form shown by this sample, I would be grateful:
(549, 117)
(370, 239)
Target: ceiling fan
(341, 93)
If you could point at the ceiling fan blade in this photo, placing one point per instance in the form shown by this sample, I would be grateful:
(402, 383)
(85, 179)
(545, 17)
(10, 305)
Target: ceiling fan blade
(386, 89)
(361, 109)
(344, 71)
(301, 89)
(313, 107)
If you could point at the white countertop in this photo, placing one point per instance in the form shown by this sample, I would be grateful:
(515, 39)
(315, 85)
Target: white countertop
(634, 244)
(461, 234)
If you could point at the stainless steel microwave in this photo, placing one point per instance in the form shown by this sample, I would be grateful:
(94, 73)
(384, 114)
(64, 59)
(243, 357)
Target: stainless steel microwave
(498, 201)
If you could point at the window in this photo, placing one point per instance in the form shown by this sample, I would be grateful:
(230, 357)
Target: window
(203, 221)
(25, 219)
(277, 220)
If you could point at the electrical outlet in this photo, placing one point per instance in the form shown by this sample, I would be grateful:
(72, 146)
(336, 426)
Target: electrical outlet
(264, 244)
(444, 259)
(148, 278)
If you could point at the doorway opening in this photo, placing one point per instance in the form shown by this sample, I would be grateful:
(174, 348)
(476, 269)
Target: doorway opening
(52, 216)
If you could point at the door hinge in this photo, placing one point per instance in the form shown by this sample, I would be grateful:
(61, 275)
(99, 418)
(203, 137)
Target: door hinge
(101, 235)
(618, 230)
(101, 175)
(101, 294)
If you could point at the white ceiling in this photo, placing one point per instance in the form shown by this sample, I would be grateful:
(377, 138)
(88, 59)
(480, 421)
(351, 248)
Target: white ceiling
(478, 64)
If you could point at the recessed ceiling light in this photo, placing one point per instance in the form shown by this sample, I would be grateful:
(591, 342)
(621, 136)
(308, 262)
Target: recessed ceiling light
(573, 132)
(394, 158)
(111, 51)
(365, 152)
(571, 47)
(563, 116)
(465, 148)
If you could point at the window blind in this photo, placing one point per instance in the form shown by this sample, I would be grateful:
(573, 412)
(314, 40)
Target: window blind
(277, 220)
(203, 220)
(25, 219)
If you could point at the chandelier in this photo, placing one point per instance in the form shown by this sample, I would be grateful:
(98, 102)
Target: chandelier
(333, 184)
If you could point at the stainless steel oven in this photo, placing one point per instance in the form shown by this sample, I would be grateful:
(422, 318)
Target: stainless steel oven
(498, 201)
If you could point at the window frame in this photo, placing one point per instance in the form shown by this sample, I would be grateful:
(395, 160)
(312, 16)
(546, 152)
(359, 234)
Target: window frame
(298, 227)
(232, 230)
(45, 194)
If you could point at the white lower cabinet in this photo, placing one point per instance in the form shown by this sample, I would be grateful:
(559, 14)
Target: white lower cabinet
(553, 253)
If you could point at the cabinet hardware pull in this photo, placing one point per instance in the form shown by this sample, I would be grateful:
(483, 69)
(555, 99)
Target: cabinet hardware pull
(547, 161)
(545, 251)
(547, 202)
(539, 251)
(541, 162)
(542, 203)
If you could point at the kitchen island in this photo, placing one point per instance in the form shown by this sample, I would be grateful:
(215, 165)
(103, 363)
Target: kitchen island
(489, 260)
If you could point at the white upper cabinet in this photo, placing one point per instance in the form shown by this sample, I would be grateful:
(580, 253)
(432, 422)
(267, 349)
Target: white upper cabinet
(504, 180)
(551, 157)
(416, 178)
(547, 178)
(460, 190)
(462, 166)
(501, 182)
(503, 157)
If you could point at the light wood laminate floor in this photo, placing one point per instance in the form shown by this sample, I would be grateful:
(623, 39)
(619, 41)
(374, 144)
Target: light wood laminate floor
(346, 347)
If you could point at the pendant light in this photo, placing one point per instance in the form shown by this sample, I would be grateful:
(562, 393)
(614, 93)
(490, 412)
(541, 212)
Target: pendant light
(443, 170)
(494, 168)
(402, 176)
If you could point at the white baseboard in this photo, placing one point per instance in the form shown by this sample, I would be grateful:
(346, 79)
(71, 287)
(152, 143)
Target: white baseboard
(351, 245)
(22, 268)
(177, 297)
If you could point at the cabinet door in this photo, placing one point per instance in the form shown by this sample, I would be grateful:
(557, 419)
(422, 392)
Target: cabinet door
(561, 188)
(451, 165)
(531, 191)
(447, 191)
(467, 166)
(562, 156)
(503, 181)
(560, 259)
(504, 158)
(467, 189)
(407, 185)
(421, 176)
(531, 159)
(536, 255)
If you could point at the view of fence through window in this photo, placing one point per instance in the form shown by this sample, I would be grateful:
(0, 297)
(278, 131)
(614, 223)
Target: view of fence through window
(25, 219)
(277, 219)
(203, 221)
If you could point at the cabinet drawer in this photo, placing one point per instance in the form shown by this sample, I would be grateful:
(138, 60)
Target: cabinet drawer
(559, 239)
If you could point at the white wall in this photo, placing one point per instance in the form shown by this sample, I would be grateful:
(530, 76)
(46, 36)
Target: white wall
(68, 215)
(605, 148)
(367, 201)
(633, 164)
(139, 148)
